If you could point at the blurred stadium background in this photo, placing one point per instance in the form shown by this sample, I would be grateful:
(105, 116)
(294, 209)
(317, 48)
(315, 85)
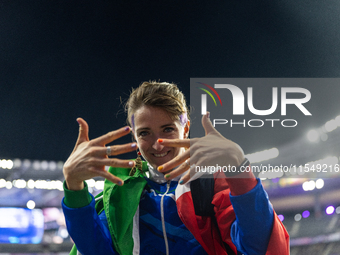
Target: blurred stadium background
(306, 200)
(60, 60)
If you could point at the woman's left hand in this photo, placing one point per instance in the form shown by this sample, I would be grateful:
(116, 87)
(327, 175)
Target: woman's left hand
(211, 150)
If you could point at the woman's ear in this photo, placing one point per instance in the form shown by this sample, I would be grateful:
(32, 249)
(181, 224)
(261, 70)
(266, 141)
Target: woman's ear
(186, 130)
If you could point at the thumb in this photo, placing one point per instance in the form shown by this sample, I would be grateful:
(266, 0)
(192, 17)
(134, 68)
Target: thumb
(83, 135)
(207, 125)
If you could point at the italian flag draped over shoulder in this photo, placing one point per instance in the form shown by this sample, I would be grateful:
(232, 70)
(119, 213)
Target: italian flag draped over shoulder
(120, 204)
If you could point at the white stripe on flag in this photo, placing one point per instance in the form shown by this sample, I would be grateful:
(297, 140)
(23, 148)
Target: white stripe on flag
(135, 233)
(181, 189)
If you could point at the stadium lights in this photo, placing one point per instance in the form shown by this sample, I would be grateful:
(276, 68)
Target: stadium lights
(6, 164)
(45, 184)
(5, 184)
(26, 163)
(30, 204)
(330, 210)
(281, 217)
(337, 210)
(35, 164)
(319, 184)
(308, 185)
(63, 232)
(331, 125)
(2, 183)
(57, 239)
(297, 217)
(263, 155)
(30, 184)
(20, 184)
(311, 185)
(306, 214)
(9, 185)
(315, 135)
(91, 183)
(98, 185)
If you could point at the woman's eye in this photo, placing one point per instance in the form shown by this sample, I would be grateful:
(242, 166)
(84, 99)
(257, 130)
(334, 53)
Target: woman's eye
(143, 133)
(168, 129)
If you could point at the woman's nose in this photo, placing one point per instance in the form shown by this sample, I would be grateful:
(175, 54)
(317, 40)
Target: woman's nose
(157, 146)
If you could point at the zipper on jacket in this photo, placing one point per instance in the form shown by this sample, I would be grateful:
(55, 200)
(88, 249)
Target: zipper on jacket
(163, 221)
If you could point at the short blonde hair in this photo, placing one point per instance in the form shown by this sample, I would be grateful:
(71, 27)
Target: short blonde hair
(164, 95)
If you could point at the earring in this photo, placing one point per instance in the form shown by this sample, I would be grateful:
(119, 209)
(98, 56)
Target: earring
(138, 164)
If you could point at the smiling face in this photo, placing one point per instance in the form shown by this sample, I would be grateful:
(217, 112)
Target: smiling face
(152, 123)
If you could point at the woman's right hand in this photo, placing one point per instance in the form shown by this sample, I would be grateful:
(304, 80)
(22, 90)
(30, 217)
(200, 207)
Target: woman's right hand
(89, 157)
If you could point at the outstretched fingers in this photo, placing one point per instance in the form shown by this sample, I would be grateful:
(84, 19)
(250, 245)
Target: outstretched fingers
(207, 125)
(83, 135)
(97, 168)
(181, 158)
(175, 142)
(111, 136)
(114, 150)
(182, 168)
(185, 178)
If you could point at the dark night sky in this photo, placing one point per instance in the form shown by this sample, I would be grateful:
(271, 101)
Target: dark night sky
(63, 59)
